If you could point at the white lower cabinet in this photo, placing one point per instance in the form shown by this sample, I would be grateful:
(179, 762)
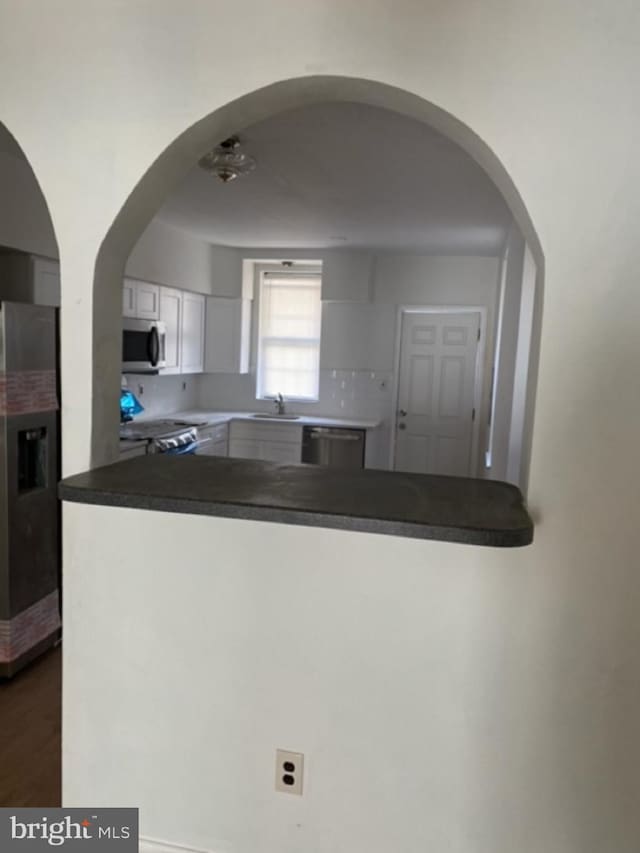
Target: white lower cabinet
(215, 440)
(266, 441)
(244, 448)
(281, 451)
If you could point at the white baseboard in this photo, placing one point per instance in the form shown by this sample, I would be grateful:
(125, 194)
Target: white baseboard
(155, 845)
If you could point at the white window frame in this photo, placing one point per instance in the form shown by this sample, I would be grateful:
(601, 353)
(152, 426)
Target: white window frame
(297, 269)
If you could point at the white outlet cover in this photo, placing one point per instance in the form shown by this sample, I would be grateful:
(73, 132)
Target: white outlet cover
(284, 756)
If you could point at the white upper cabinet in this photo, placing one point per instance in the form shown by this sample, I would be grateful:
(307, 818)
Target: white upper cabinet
(192, 336)
(29, 278)
(171, 316)
(46, 282)
(141, 300)
(128, 298)
(183, 314)
(228, 330)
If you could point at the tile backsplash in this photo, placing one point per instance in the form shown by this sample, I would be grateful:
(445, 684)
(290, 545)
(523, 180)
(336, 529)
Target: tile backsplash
(161, 395)
(343, 393)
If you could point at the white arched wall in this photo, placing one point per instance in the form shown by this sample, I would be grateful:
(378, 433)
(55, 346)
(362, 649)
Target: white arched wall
(25, 220)
(179, 158)
(532, 662)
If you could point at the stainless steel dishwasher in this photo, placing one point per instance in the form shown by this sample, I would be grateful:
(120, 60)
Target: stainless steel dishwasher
(334, 447)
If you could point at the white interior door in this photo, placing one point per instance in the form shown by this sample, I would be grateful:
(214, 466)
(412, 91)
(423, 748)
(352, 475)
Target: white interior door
(436, 392)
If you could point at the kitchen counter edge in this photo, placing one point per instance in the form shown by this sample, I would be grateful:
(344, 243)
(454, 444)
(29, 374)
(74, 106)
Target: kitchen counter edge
(451, 509)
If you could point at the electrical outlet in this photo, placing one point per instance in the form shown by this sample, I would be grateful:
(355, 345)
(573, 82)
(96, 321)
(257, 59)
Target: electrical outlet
(289, 771)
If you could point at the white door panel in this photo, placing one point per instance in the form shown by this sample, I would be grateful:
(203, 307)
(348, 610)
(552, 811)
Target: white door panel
(192, 339)
(436, 392)
(147, 301)
(128, 299)
(171, 316)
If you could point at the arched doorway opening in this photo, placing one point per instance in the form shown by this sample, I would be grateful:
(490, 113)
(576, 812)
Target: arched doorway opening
(504, 403)
(30, 538)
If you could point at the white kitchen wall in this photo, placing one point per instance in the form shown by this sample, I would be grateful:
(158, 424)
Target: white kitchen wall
(386, 661)
(525, 373)
(508, 314)
(169, 256)
(25, 223)
(161, 395)
(347, 274)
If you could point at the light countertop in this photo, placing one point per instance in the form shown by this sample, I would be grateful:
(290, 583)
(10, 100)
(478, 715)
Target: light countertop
(213, 418)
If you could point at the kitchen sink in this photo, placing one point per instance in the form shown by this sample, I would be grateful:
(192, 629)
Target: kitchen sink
(273, 417)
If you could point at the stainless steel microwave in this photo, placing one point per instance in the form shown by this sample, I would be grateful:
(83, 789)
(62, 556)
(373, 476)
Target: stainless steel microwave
(143, 346)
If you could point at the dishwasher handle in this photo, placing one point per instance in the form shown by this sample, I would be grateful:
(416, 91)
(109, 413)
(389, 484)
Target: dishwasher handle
(329, 435)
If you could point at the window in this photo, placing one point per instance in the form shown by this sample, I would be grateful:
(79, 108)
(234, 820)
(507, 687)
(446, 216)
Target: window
(289, 335)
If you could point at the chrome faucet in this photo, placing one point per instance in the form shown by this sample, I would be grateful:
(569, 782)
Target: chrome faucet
(279, 401)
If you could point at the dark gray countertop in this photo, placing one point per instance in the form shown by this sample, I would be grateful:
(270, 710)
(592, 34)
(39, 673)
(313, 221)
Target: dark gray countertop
(452, 509)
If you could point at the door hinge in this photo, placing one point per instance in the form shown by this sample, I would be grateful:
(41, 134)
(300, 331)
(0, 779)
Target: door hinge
(473, 414)
(478, 334)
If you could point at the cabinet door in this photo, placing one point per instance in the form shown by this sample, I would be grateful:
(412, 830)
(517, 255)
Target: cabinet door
(214, 440)
(244, 448)
(128, 298)
(171, 316)
(46, 282)
(147, 301)
(192, 342)
(280, 451)
(267, 431)
(213, 448)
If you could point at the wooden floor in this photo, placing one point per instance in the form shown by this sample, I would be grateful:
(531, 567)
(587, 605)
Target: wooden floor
(30, 711)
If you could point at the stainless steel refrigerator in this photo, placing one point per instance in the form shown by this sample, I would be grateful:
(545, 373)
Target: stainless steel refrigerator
(29, 471)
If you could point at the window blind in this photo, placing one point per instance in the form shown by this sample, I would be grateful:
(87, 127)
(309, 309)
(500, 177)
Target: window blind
(289, 336)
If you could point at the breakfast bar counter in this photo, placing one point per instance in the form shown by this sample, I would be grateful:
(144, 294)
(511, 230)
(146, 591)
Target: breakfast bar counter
(453, 509)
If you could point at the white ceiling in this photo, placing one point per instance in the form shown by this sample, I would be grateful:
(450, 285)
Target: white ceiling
(350, 176)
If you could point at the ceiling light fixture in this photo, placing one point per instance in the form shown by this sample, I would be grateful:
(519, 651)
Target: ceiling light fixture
(226, 161)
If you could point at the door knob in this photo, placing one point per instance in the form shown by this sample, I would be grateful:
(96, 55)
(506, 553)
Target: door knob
(402, 426)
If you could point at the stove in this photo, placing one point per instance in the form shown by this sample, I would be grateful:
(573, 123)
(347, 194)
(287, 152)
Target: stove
(149, 430)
